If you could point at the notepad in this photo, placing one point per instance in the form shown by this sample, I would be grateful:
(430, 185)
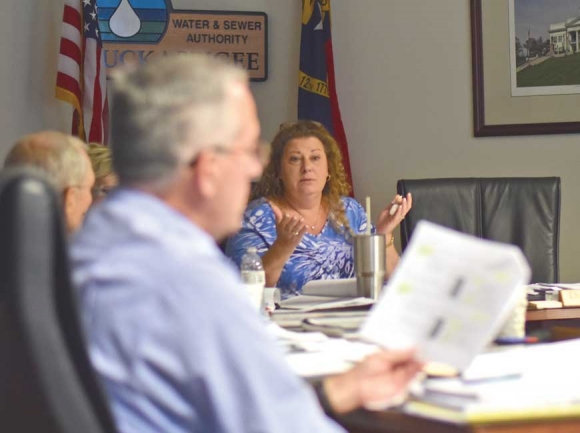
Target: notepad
(341, 288)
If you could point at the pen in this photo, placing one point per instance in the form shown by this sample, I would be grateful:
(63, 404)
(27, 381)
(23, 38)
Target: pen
(516, 340)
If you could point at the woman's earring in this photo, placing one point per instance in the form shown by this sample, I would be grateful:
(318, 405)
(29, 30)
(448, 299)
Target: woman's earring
(328, 178)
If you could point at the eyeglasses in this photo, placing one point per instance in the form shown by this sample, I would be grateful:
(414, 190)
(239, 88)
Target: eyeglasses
(261, 152)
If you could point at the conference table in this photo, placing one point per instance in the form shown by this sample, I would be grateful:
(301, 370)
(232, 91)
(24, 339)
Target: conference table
(566, 313)
(561, 322)
(393, 420)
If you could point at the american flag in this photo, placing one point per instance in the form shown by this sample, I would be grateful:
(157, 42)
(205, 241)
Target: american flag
(81, 78)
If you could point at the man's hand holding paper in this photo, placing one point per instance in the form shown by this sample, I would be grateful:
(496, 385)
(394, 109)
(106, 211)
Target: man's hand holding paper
(375, 382)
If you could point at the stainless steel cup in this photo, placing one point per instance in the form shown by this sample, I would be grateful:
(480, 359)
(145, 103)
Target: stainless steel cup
(369, 264)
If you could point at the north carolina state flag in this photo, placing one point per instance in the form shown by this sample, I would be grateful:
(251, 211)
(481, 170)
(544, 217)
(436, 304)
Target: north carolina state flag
(317, 98)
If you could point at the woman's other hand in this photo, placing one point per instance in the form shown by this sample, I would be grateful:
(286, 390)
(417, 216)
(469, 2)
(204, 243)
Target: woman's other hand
(391, 217)
(290, 229)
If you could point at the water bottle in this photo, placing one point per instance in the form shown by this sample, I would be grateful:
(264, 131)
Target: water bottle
(254, 277)
(252, 268)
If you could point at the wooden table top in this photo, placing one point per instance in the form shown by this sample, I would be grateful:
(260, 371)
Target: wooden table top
(553, 314)
(393, 421)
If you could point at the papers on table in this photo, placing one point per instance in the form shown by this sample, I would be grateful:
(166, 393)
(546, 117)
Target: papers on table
(449, 295)
(530, 382)
(556, 286)
(313, 354)
(498, 364)
(327, 295)
(296, 318)
(346, 326)
(313, 303)
(340, 288)
(334, 356)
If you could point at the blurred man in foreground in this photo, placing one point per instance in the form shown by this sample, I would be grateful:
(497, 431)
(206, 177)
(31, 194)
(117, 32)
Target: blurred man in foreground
(64, 159)
(171, 332)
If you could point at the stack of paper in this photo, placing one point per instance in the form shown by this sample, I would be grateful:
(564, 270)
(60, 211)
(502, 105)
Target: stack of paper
(327, 295)
(295, 318)
(522, 383)
(313, 354)
(314, 303)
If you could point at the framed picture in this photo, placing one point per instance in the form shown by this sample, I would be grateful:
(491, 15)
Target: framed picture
(523, 57)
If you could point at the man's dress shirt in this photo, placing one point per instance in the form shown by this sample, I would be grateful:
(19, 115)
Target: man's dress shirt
(172, 334)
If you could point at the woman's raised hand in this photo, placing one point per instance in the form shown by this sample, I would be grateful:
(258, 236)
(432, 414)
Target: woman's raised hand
(390, 217)
(290, 229)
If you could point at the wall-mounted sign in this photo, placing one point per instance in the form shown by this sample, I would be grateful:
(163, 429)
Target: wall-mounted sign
(138, 30)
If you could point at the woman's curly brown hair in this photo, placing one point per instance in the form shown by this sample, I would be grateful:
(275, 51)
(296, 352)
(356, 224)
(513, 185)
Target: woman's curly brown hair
(271, 187)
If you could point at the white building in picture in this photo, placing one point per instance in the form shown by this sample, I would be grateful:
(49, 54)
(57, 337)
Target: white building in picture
(565, 37)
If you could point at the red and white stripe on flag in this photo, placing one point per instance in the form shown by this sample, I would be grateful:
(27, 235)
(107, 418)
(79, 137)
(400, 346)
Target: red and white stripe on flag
(81, 78)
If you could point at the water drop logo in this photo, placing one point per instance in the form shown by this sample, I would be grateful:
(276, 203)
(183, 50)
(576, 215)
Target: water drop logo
(138, 21)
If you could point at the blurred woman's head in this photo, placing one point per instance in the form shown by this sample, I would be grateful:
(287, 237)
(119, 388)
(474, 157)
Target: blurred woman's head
(105, 178)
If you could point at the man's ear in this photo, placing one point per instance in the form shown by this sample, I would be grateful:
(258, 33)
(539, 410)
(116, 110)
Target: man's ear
(205, 175)
(68, 201)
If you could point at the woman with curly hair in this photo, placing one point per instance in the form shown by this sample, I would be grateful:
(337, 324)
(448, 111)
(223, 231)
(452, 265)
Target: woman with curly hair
(301, 220)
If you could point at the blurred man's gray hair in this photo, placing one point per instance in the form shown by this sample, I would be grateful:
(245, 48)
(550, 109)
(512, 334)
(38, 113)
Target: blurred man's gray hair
(168, 110)
(59, 155)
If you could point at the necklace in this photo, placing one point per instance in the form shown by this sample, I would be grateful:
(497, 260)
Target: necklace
(311, 227)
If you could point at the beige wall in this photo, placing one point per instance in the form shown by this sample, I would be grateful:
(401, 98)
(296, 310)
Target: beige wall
(404, 89)
(28, 44)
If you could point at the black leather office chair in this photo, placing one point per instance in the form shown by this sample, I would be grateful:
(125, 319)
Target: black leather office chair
(520, 211)
(46, 381)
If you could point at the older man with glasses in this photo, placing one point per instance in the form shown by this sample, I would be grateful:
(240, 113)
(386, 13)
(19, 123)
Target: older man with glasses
(172, 335)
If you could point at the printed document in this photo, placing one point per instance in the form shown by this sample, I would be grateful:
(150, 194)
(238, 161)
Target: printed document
(449, 295)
